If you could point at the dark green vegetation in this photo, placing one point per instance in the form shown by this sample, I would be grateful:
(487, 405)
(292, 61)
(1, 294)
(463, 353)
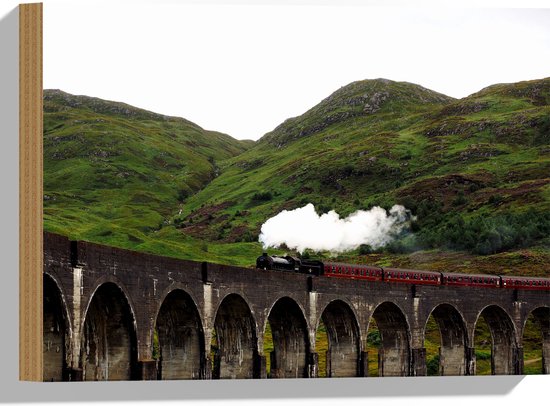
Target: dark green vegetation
(474, 172)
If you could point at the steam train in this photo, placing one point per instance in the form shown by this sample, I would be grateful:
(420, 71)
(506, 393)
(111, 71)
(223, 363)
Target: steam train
(374, 273)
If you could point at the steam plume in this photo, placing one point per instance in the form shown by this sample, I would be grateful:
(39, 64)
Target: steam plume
(303, 228)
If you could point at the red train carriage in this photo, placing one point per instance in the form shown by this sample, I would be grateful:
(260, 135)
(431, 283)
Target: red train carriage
(518, 282)
(351, 271)
(373, 273)
(412, 276)
(462, 279)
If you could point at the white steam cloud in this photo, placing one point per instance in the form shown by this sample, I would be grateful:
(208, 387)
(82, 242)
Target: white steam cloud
(303, 228)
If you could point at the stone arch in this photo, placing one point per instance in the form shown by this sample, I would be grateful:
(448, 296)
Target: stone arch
(344, 341)
(235, 330)
(109, 343)
(542, 319)
(290, 340)
(504, 345)
(56, 331)
(454, 339)
(180, 337)
(122, 290)
(394, 353)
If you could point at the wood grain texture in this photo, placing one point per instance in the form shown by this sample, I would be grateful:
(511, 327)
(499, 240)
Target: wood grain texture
(30, 192)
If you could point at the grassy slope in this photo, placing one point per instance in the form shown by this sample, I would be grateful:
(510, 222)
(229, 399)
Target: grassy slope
(481, 157)
(115, 174)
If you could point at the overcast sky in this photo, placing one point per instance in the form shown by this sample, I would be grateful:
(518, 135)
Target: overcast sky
(243, 69)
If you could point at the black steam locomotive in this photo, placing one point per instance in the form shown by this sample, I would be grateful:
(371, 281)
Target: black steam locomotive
(290, 264)
(374, 273)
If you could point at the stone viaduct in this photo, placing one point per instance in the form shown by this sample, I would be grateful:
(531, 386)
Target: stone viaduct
(114, 314)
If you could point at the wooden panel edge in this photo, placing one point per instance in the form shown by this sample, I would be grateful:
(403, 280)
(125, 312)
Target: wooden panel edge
(30, 192)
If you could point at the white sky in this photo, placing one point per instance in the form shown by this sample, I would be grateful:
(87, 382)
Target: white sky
(243, 69)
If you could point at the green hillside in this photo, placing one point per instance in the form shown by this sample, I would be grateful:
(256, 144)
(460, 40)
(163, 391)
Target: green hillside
(116, 174)
(474, 172)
